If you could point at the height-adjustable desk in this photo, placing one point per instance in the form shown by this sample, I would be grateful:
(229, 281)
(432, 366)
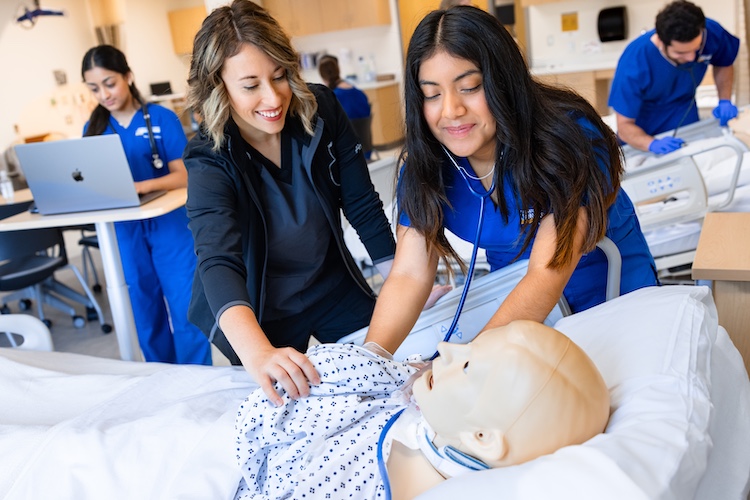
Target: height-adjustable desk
(103, 220)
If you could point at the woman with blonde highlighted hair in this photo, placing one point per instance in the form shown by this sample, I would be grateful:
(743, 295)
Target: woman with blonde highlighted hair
(270, 172)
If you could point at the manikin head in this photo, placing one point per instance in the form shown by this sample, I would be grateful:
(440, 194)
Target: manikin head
(513, 394)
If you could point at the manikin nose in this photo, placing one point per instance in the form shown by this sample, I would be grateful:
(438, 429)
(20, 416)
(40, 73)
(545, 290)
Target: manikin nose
(449, 352)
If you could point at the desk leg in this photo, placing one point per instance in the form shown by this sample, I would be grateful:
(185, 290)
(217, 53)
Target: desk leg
(117, 291)
(733, 305)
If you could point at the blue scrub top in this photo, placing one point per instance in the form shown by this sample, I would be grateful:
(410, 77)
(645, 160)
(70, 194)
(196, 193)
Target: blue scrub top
(168, 134)
(354, 102)
(656, 92)
(502, 241)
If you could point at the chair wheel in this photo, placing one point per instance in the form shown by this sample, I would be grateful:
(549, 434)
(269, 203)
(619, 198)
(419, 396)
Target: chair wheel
(5, 309)
(91, 314)
(97, 288)
(47, 322)
(106, 328)
(24, 304)
(79, 321)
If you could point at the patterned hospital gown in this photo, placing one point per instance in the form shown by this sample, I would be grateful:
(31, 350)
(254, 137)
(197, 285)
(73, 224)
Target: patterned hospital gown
(322, 446)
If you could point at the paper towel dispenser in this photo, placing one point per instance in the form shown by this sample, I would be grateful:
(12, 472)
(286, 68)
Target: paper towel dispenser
(613, 24)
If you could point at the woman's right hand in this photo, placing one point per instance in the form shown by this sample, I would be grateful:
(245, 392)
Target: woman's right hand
(285, 365)
(264, 362)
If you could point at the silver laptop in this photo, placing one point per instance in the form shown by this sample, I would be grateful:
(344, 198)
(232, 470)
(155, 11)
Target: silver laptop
(78, 175)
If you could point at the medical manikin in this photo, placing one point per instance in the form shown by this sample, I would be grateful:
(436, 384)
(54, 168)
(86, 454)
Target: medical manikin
(513, 394)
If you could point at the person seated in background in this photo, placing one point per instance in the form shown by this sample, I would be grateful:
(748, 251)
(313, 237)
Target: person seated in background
(653, 89)
(515, 393)
(352, 99)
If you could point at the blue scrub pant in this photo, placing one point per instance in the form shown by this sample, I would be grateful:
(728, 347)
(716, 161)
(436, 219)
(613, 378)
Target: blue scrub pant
(158, 260)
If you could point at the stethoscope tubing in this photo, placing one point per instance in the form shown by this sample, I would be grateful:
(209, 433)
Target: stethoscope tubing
(472, 263)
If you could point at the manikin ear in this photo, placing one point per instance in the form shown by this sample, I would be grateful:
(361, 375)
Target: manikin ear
(489, 446)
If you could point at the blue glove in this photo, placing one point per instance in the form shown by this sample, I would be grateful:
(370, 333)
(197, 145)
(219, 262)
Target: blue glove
(725, 111)
(665, 145)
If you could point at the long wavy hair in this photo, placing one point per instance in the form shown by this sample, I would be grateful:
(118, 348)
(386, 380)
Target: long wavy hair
(542, 151)
(112, 59)
(220, 37)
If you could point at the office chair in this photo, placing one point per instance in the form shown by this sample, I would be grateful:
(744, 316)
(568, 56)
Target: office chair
(363, 129)
(87, 242)
(29, 262)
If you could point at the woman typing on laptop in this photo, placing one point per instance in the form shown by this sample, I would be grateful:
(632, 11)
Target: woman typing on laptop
(157, 254)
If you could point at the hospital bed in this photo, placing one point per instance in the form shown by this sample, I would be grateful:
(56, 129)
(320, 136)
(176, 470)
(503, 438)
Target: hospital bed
(75, 426)
(673, 192)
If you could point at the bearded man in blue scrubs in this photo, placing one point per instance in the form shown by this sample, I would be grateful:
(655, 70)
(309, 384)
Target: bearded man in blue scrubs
(654, 85)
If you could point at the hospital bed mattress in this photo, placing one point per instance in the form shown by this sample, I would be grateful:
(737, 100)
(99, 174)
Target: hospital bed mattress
(74, 426)
(485, 296)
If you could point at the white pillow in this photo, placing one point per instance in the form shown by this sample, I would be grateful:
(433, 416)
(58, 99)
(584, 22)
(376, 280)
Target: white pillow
(653, 348)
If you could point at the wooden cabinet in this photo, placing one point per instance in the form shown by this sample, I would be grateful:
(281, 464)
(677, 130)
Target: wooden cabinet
(592, 85)
(298, 18)
(722, 257)
(387, 115)
(527, 3)
(184, 24)
(345, 14)
(308, 17)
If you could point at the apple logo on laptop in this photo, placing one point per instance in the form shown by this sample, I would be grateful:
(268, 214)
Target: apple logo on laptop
(77, 175)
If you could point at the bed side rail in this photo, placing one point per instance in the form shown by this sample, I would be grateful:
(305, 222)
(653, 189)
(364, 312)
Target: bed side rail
(670, 189)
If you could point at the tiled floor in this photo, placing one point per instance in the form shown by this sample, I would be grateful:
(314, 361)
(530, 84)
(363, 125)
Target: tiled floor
(90, 339)
(87, 340)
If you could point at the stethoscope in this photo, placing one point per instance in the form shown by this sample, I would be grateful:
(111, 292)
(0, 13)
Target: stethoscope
(156, 160)
(462, 461)
(689, 68)
(465, 175)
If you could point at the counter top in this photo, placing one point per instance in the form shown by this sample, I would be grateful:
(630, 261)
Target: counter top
(593, 63)
(312, 76)
(374, 85)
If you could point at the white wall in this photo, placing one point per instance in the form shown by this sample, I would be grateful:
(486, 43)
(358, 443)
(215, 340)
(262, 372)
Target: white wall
(382, 42)
(32, 104)
(28, 58)
(548, 43)
(29, 97)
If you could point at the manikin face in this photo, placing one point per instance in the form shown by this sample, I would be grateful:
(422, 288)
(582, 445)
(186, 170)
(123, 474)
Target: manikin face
(456, 109)
(683, 52)
(111, 89)
(259, 92)
(450, 390)
(512, 394)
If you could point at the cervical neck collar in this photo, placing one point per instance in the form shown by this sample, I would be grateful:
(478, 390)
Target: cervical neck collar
(447, 460)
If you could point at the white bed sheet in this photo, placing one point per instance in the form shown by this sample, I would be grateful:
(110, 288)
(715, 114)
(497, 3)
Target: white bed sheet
(73, 426)
(78, 427)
